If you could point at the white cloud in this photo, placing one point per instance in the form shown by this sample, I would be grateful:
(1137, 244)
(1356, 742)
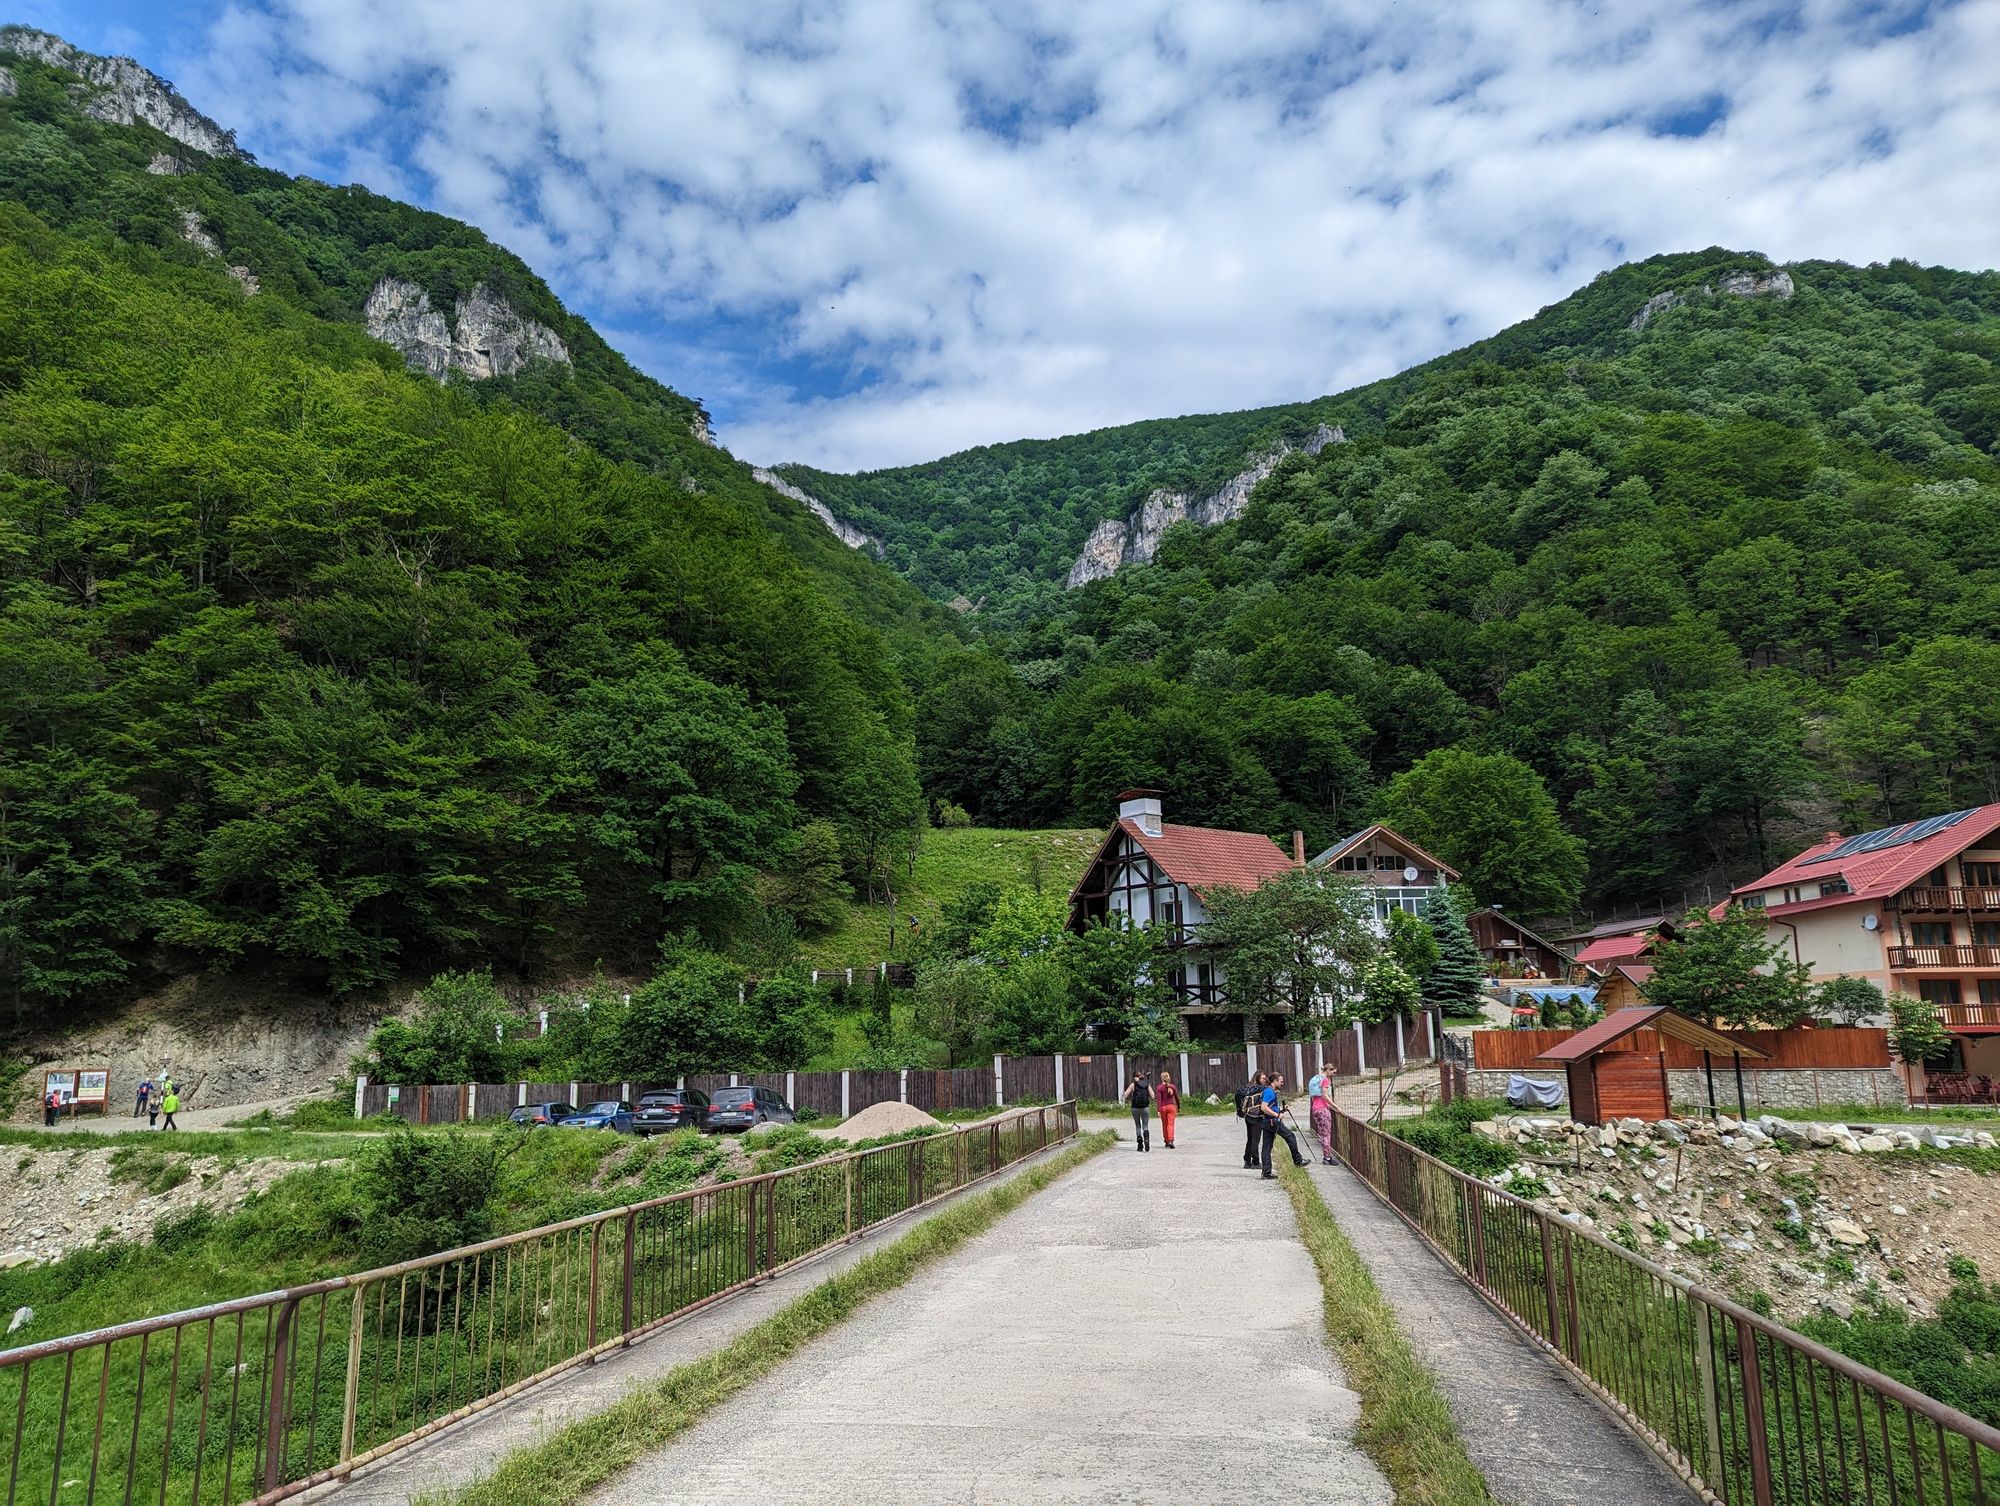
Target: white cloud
(987, 221)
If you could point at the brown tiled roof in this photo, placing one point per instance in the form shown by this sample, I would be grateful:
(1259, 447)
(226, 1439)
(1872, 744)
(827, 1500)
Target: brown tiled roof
(1873, 875)
(1621, 1023)
(1205, 858)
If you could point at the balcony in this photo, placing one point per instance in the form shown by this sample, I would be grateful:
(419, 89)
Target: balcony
(1974, 1019)
(1928, 899)
(1960, 956)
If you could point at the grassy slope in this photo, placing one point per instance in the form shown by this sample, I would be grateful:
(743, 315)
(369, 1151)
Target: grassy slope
(950, 863)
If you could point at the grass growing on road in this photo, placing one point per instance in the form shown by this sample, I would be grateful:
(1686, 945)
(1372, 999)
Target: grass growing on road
(566, 1465)
(1406, 1426)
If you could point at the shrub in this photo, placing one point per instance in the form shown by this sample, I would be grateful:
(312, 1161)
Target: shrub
(184, 1230)
(428, 1192)
(787, 1145)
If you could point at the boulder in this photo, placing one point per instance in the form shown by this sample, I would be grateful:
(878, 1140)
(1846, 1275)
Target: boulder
(1670, 1132)
(1876, 1144)
(23, 1316)
(1786, 1132)
(1846, 1232)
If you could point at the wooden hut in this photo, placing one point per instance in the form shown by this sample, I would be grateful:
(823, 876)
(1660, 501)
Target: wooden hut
(1612, 1076)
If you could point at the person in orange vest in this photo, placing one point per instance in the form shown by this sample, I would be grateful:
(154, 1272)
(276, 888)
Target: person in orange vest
(51, 1106)
(1169, 1102)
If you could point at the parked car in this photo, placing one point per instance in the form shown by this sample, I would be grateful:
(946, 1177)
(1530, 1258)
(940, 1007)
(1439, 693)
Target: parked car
(541, 1115)
(746, 1108)
(606, 1114)
(671, 1109)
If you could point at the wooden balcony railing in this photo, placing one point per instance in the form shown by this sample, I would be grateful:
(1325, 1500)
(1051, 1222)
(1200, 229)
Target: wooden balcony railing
(1969, 1016)
(1944, 956)
(1930, 898)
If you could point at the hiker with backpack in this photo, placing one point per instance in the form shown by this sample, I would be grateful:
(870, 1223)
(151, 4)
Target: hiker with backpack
(1247, 1098)
(1270, 1109)
(1139, 1098)
(170, 1105)
(1320, 1114)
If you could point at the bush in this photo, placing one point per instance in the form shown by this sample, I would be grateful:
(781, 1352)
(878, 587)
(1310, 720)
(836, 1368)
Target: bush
(428, 1192)
(455, 1036)
(788, 1145)
(1445, 1131)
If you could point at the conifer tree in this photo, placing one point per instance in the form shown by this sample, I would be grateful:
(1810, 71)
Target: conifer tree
(1453, 982)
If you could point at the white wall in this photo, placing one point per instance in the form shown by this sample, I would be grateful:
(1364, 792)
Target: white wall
(1834, 941)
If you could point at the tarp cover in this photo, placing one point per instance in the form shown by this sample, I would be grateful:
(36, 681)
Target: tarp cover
(1532, 1092)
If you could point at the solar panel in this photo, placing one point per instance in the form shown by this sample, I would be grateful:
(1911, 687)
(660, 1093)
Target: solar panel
(1886, 837)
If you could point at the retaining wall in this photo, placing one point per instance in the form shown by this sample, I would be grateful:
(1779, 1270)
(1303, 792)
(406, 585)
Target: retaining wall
(1763, 1087)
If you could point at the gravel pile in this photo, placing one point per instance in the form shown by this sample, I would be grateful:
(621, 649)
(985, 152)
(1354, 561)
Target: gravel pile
(881, 1119)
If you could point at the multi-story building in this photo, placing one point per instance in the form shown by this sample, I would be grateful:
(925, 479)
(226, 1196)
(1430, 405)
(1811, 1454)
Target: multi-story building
(1148, 873)
(1914, 908)
(1402, 874)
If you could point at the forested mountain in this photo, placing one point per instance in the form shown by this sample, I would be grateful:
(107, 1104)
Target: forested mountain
(1709, 546)
(312, 659)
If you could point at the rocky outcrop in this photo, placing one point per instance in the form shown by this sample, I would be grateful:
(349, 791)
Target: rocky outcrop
(847, 533)
(166, 165)
(1776, 283)
(8, 88)
(1113, 544)
(119, 91)
(699, 427)
(485, 338)
(196, 234)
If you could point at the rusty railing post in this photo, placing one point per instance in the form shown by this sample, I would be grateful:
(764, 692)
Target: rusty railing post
(1549, 1280)
(750, 1231)
(1478, 1251)
(1752, 1374)
(274, 1422)
(351, 1396)
(1711, 1413)
(596, 1243)
(625, 1306)
(850, 1197)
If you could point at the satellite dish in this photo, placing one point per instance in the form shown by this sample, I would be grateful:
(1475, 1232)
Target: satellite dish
(1410, 874)
(1872, 922)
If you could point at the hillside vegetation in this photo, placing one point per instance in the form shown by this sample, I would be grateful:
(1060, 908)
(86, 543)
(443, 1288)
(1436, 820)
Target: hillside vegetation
(1708, 585)
(317, 664)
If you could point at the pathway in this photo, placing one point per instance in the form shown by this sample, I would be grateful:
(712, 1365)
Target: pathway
(1536, 1434)
(122, 1121)
(1088, 1348)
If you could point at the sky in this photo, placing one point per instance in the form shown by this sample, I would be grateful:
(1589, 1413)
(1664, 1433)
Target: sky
(872, 234)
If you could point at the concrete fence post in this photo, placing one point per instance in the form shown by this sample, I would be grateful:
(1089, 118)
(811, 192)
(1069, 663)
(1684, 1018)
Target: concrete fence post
(680, 1083)
(1059, 1077)
(843, 1093)
(1119, 1057)
(520, 1095)
(542, 1021)
(1319, 1053)
(573, 1094)
(999, 1081)
(1298, 1063)
(850, 977)
(1399, 1040)
(1183, 1083)
(467, 1098)
(360, 1091)
(1360, 1049)
(792, 1089)
(1250, 1059)
(733, 1082)
(625, 1091)
(1431, 1029)
(902, 1085)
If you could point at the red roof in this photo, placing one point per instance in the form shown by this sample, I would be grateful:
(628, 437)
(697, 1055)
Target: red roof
(1204, 858)
(1621, 1023)
(1612, 948)
(1872, 875)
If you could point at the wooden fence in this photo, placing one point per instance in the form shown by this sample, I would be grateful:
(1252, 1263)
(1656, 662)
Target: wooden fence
(1008, 1081)
(1801, 1047)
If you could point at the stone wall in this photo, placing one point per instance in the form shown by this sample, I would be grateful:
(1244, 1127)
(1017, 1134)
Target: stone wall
(1776, 1087)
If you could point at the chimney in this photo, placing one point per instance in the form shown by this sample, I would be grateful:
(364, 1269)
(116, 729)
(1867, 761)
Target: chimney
(1142, 809)
(1298, 848)
(1832, 836)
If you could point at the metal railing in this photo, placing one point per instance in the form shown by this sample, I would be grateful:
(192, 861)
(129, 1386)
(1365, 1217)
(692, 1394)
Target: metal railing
(262, 1397)
(1749, 1412)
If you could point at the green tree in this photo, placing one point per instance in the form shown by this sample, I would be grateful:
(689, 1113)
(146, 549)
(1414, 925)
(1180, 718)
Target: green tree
(1117, 980)
(1916, 1035)
(74, 877)
(1490, 816)
(954, 1003)
(1387, 989)
(691, 785)
(1454, 982)
(1848, 1001)
(1299, 942)
(807, 883)
(1413, 944)
(1726, 971)
(1032, 1012)
(456, 1035)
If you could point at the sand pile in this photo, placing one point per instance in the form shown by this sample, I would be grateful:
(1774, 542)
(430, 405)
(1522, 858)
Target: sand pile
(881, 1119)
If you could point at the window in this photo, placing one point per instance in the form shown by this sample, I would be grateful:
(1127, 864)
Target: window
(1936, 880)
(1354, 862)
(1938, 990)
(1834, 886)
(1930, 933)
(1387, 862)
(1989, 990)
(1986, 933)
(1982, 875)
(1752, 902)
(1792, 895)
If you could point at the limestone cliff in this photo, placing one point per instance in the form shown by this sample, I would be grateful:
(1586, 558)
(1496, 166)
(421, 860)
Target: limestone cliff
(485, 338)
(1776, 283)
(120, 92)
(1113, 544)
(847, 533)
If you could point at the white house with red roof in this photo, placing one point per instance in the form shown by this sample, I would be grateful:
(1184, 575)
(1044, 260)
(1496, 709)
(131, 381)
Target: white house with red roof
(1402, 875)
(1150, 873)
(1914, 908)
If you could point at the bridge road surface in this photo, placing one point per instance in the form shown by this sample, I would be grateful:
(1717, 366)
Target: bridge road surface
(1090, 1347)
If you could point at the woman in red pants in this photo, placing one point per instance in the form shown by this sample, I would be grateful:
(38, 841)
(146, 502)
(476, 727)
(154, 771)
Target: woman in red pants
(1169, 1103)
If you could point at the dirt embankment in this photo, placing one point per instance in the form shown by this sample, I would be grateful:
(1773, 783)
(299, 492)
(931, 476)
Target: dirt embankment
(227, 1040)
(1814, 1228)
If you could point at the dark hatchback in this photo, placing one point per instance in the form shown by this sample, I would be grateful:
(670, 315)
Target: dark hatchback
(671, 1109)
(541, 1115)
(746, 1108)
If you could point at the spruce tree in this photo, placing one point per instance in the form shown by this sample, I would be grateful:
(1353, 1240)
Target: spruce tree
(1453, 983)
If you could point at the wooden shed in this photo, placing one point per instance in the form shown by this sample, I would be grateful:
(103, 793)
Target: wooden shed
(1612, 1075)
